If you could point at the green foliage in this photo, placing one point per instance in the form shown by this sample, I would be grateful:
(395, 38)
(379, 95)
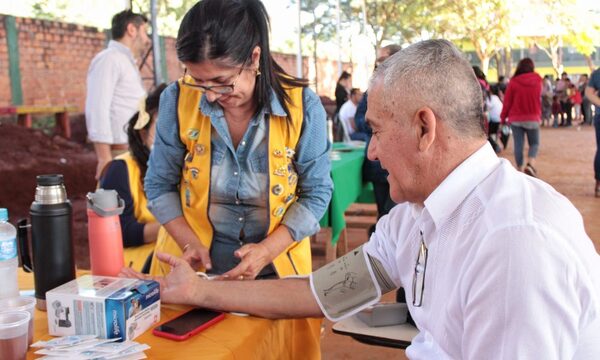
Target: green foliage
(49, 9)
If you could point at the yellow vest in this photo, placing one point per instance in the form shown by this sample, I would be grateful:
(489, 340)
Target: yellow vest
(195, 134)
(135, 257)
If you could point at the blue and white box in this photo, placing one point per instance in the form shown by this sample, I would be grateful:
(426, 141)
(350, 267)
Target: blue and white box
(105, 306)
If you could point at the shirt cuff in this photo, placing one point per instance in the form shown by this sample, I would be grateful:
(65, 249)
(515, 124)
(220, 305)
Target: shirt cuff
(300, 221)
(166, 207)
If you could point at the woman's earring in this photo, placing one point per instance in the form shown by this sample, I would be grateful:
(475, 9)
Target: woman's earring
(257, 72)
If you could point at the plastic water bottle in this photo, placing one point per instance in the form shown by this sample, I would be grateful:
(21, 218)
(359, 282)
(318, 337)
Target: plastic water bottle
(8, 257)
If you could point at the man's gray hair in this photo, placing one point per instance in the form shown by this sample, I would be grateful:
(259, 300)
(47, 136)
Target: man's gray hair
(434, 73)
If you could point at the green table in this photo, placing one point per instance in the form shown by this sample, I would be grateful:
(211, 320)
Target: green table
(346, 173)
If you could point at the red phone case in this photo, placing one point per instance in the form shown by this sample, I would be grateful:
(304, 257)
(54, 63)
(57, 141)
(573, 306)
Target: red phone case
(187, 335)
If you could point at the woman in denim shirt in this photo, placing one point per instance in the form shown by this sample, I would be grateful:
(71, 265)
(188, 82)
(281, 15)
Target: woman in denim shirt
(245, 219)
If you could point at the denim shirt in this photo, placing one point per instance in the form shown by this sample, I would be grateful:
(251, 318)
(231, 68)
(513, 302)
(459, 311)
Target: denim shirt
(238, 196)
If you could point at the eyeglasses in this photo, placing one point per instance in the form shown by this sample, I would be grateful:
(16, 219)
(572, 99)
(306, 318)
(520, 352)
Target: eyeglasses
(188, 80)
(418, 285)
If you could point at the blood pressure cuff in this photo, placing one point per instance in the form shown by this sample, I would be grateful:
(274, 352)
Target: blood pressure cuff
(349, 284)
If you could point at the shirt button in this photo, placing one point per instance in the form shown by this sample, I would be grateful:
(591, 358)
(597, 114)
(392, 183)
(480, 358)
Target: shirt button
(243, 143)
(240, 219)
(235, 173)
(237, 202)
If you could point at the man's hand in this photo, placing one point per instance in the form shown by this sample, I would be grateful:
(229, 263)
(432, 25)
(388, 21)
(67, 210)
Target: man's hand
(197, 256)
(104, 157)
(178, 287)
(254, 258)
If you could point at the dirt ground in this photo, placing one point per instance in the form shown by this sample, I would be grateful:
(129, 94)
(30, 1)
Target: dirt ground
(565, 161)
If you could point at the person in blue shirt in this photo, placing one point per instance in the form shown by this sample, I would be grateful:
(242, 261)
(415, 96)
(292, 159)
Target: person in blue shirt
(592, 92)
(239, 175)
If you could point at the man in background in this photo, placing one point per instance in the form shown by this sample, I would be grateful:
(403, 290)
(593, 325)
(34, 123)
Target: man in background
(114, 86)
(347, 112)
(372, 170)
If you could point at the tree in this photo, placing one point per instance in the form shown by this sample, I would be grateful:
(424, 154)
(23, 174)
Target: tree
(483, 23)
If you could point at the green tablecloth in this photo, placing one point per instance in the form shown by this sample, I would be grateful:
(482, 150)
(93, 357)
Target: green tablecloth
(346, 173)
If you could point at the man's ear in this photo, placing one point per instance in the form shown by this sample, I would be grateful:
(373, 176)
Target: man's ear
(426, 122)
(132, 30)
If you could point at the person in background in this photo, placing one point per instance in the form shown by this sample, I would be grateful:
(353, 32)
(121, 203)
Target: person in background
(114, 87)
(586, 105)
(347, 112)
(557, 114)
(372, 170)
(497, 265)
(522, 109)
(342, 90)
(502, 84)
(547, 94)
(562, 91)
(592, 92)
(575, 100)
(494, 108)
(125, 174)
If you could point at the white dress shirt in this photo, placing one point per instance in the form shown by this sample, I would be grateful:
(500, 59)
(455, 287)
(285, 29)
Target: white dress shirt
(114, 89)
(347, 112)
(510, 274)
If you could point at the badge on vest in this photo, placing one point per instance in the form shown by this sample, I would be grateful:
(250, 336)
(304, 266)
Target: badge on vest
(289, 153)
(279, 211)
(188, 197)
(194, 172)
(279, 171)
(292, 179)
(199, 149)
(189, 157)
(288, 199)
(277, 153)
(192, 134)
(277, 190)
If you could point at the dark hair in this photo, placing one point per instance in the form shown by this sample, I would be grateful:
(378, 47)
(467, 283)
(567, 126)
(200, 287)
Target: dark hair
(501, 78)
(138, 149)
(524, 66)
(353, 91)
(345, 75)
(479, 73)
(494, 90)
(124, 18)
(392, 49)
(230, 30)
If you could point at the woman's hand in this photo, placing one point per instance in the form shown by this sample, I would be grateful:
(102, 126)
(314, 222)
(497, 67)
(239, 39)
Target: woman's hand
(196, 255)
(254, 258)
(178, 287)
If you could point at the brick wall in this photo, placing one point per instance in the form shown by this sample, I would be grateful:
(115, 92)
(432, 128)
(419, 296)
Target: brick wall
(55, 56)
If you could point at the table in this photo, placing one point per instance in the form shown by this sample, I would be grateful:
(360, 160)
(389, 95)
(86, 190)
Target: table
(396, 336)
(346, 173)
(236, 337)
(61, 114)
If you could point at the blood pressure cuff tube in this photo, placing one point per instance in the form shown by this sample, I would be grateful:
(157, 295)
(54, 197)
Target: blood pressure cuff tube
(350, 284)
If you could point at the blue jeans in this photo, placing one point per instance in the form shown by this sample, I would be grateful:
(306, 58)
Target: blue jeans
(533, 138)
(597, 157)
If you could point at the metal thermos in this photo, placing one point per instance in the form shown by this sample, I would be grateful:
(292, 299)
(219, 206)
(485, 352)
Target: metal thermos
(51, 237)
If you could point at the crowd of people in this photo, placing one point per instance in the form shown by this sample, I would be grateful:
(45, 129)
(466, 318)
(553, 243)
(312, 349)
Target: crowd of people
(229, 173)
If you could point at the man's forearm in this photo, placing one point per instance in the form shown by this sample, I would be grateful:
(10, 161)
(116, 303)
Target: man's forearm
(273, 299)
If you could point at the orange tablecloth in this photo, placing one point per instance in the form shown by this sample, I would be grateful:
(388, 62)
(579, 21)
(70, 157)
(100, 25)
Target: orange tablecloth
(236, 337)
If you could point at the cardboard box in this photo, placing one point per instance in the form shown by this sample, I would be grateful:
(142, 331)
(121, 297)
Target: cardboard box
(105, 306)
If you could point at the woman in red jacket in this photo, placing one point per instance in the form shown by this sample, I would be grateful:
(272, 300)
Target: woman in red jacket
(522, 109)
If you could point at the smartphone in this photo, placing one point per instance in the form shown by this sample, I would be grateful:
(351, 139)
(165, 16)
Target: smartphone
(188, 324)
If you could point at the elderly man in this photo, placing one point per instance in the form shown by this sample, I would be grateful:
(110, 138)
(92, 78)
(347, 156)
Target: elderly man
(496, 264)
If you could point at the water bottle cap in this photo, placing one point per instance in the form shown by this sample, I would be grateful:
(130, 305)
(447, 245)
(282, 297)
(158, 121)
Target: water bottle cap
(50, 180)
(105, 202)
(3, 214)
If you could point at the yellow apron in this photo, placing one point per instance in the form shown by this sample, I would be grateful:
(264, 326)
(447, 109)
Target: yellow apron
(135, 257)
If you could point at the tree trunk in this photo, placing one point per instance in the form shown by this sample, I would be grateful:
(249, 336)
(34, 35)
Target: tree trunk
(485, 63)
(589, 62)
(499, 60)
(507, 61)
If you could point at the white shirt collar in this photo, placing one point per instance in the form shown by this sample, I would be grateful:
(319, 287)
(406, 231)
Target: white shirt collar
(460, 182)
(117, 45)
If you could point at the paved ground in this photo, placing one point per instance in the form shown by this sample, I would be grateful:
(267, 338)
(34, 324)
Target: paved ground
(565, 161)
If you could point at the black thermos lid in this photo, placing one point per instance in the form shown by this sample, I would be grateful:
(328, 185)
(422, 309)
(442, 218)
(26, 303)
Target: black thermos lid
(50, 180)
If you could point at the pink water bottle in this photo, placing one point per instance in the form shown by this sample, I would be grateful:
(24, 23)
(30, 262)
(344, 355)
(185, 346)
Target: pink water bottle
(104, 232)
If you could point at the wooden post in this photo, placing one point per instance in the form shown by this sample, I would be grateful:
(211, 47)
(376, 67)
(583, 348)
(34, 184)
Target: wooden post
(63, 124)
(24, 120)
